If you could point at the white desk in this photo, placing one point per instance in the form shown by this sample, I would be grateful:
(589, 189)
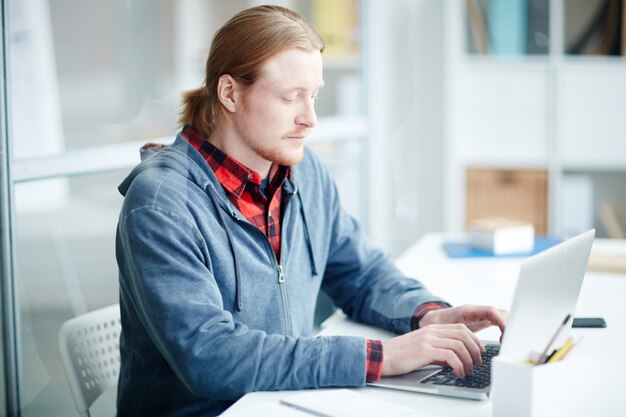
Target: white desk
(599, 365)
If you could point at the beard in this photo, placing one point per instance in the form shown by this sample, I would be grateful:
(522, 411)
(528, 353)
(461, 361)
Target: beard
(286, 154)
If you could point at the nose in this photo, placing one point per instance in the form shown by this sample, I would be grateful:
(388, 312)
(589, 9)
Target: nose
(307, 115)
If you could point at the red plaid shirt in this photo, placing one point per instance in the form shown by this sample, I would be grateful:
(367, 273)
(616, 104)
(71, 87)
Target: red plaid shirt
(243, 187)
(375, 347)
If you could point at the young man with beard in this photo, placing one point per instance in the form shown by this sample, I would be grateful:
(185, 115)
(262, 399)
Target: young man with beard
(226, 237)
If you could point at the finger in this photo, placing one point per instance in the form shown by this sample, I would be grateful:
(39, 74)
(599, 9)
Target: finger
(496, 317)
(460, 333)
(460, 350)
(504, 314)
(450, 358)
(472, 343)
(478, 343)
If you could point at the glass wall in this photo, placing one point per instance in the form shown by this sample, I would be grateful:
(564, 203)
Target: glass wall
(5, 264)
(65, 267)
(90, 81)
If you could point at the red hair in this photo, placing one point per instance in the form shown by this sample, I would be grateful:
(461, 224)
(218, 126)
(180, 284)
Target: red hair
(239, 49)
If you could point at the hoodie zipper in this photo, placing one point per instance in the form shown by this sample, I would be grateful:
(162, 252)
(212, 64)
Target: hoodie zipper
(281, 277)
(279, 270)
(283, 296)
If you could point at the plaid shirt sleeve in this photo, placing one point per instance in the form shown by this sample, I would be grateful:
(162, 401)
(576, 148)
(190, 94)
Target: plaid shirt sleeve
(374, 365)
(421, 311)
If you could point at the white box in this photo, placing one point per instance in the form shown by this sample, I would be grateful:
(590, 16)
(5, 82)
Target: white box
(502, 236)
(519, 389)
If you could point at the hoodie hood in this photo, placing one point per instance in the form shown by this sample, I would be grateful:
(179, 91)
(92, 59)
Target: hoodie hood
(178, 156)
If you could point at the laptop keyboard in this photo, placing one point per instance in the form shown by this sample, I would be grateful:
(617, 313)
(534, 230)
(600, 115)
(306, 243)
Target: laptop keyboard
(480, 379)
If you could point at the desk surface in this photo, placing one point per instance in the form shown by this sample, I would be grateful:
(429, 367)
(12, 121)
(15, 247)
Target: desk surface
(598, 362)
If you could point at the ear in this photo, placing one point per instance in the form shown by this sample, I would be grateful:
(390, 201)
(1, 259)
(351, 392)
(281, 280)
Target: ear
(227, 92)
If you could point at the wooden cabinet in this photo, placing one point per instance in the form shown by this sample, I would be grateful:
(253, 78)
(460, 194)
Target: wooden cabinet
(516, 194)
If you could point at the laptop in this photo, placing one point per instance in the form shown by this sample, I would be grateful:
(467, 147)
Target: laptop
(547, 291)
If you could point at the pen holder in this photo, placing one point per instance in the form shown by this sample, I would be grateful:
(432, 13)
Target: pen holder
(520, 389)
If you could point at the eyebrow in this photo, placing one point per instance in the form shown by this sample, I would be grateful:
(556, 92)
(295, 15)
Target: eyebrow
(298, 87)
(304, 88)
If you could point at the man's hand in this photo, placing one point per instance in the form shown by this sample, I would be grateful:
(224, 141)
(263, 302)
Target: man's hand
(453, 345)
(475, 317)
(445, 337)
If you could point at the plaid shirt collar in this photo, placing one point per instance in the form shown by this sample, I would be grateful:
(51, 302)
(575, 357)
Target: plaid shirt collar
(233, 176)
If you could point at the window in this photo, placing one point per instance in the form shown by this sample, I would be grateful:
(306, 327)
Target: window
(89, 83)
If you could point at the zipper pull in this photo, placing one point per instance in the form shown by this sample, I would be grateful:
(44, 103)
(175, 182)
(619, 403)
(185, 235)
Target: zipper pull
(281, 275)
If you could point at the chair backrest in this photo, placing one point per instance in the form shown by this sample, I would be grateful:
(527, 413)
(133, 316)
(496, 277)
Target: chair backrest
(90, 352)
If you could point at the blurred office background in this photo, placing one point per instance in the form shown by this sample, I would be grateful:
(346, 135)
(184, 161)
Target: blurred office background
(434, 113)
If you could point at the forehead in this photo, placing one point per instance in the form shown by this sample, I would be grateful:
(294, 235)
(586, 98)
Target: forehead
(293, 68)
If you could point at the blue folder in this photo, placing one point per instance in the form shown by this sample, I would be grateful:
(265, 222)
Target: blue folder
(465, 250)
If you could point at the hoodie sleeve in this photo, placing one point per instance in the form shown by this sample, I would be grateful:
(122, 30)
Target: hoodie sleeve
(179, 306)
(364, 282)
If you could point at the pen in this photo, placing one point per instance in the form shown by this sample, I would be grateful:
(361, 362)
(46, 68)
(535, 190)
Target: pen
(551, 355)
(562, 351)
(543, 357)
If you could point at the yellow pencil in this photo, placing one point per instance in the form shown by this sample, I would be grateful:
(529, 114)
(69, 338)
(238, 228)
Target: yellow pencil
(562, 351)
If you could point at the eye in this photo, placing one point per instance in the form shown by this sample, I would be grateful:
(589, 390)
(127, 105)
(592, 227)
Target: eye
(289, 99)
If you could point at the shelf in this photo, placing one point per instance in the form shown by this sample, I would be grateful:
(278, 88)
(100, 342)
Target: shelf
(561, 112)
(587, 166)
(532, 163)
(522, 63)
(126, 155)
(504, 163)
(513, 61)
(594, 25)
(595, 63)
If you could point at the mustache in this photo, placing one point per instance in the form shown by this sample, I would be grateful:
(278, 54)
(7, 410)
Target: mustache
(300, 132)
(303, 132)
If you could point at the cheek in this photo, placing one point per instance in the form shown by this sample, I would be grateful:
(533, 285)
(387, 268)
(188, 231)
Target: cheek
(272, 117)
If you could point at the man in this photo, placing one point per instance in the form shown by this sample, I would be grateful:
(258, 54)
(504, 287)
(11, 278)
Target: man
(226, 236)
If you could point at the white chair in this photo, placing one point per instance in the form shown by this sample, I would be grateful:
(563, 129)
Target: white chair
(90, 352)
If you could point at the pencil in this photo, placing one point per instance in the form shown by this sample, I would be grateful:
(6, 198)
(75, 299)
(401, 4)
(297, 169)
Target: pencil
(562, 351)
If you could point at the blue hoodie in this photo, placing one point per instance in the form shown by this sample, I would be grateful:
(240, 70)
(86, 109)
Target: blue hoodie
(208, 314)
